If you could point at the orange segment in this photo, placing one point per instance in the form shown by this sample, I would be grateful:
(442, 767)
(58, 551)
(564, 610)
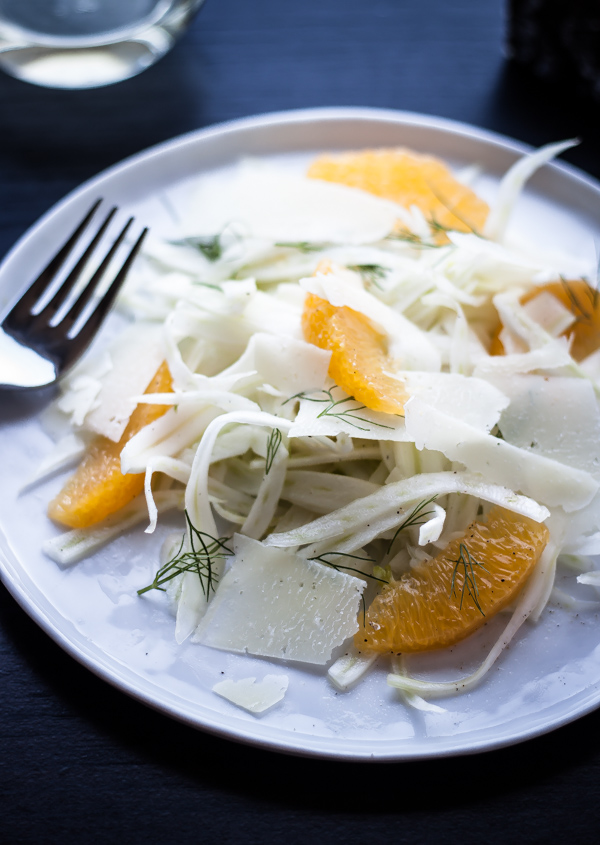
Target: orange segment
(358, 355)
(583, 301)
(98, 488)
(422, 611)
(407, 178)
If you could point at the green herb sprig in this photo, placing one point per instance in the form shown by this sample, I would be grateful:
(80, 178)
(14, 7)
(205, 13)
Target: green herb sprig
(417, 516)
(339, 567)
(468, 564)
(439, 227)
(303, 246)
(436, 228)
(209, 246)
(273, 445)
(370, 273)
(414, 240)
(348, 415)
(577, 308)
(201, 558)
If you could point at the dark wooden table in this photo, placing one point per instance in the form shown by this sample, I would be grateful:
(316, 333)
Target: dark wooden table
(80, 761)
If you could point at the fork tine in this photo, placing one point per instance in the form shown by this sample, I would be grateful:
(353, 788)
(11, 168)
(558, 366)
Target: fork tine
(52, 307)
(68, 321)
(90, 327)
(21, 311)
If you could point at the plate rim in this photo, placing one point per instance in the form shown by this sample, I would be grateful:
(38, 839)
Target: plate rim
(106, 666)
(290, 116)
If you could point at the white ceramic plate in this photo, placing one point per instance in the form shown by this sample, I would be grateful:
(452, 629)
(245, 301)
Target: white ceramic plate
(551, 673)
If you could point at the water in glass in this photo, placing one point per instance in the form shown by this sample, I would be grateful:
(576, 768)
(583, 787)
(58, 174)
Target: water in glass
(87, 43)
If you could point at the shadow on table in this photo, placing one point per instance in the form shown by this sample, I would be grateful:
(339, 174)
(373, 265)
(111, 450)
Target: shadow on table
(538, 112)
(97, 730)
(53, 140)
(98, 126)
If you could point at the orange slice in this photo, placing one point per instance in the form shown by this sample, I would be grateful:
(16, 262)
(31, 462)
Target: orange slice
(431, 607)
(407, 178)
(358, 358)
(98, 488)
(583, 301)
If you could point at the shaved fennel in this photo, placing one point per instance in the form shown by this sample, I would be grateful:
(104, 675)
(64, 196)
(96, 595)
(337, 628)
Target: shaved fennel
(300, 500)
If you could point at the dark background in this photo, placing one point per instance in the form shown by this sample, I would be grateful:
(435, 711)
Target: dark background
(80, 761)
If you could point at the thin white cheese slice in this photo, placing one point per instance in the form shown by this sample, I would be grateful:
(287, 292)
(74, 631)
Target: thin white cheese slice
(288, 364)
(272, 603)
(550, 313)
(265, 313)
(544, 479)
(255, 696)
(557, 417)
(322, 415)
(272, 204)
(472, 400)
(81, 387)
(136, 356)
(546, 311)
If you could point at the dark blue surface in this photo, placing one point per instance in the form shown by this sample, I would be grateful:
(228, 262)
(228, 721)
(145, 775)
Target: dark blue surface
(81, 762)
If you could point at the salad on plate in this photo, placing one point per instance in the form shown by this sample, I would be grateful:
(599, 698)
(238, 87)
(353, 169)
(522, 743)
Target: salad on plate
(375, 407)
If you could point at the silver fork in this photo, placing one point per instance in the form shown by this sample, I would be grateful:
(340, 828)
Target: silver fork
(34, 350)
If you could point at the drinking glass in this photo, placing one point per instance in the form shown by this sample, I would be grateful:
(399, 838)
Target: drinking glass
(88, 43)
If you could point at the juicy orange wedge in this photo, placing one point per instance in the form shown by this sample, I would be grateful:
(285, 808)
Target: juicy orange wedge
(98, 488)
(359, 358)
(432, 607)
(358, 354)
(407, 178)
(583, 301)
